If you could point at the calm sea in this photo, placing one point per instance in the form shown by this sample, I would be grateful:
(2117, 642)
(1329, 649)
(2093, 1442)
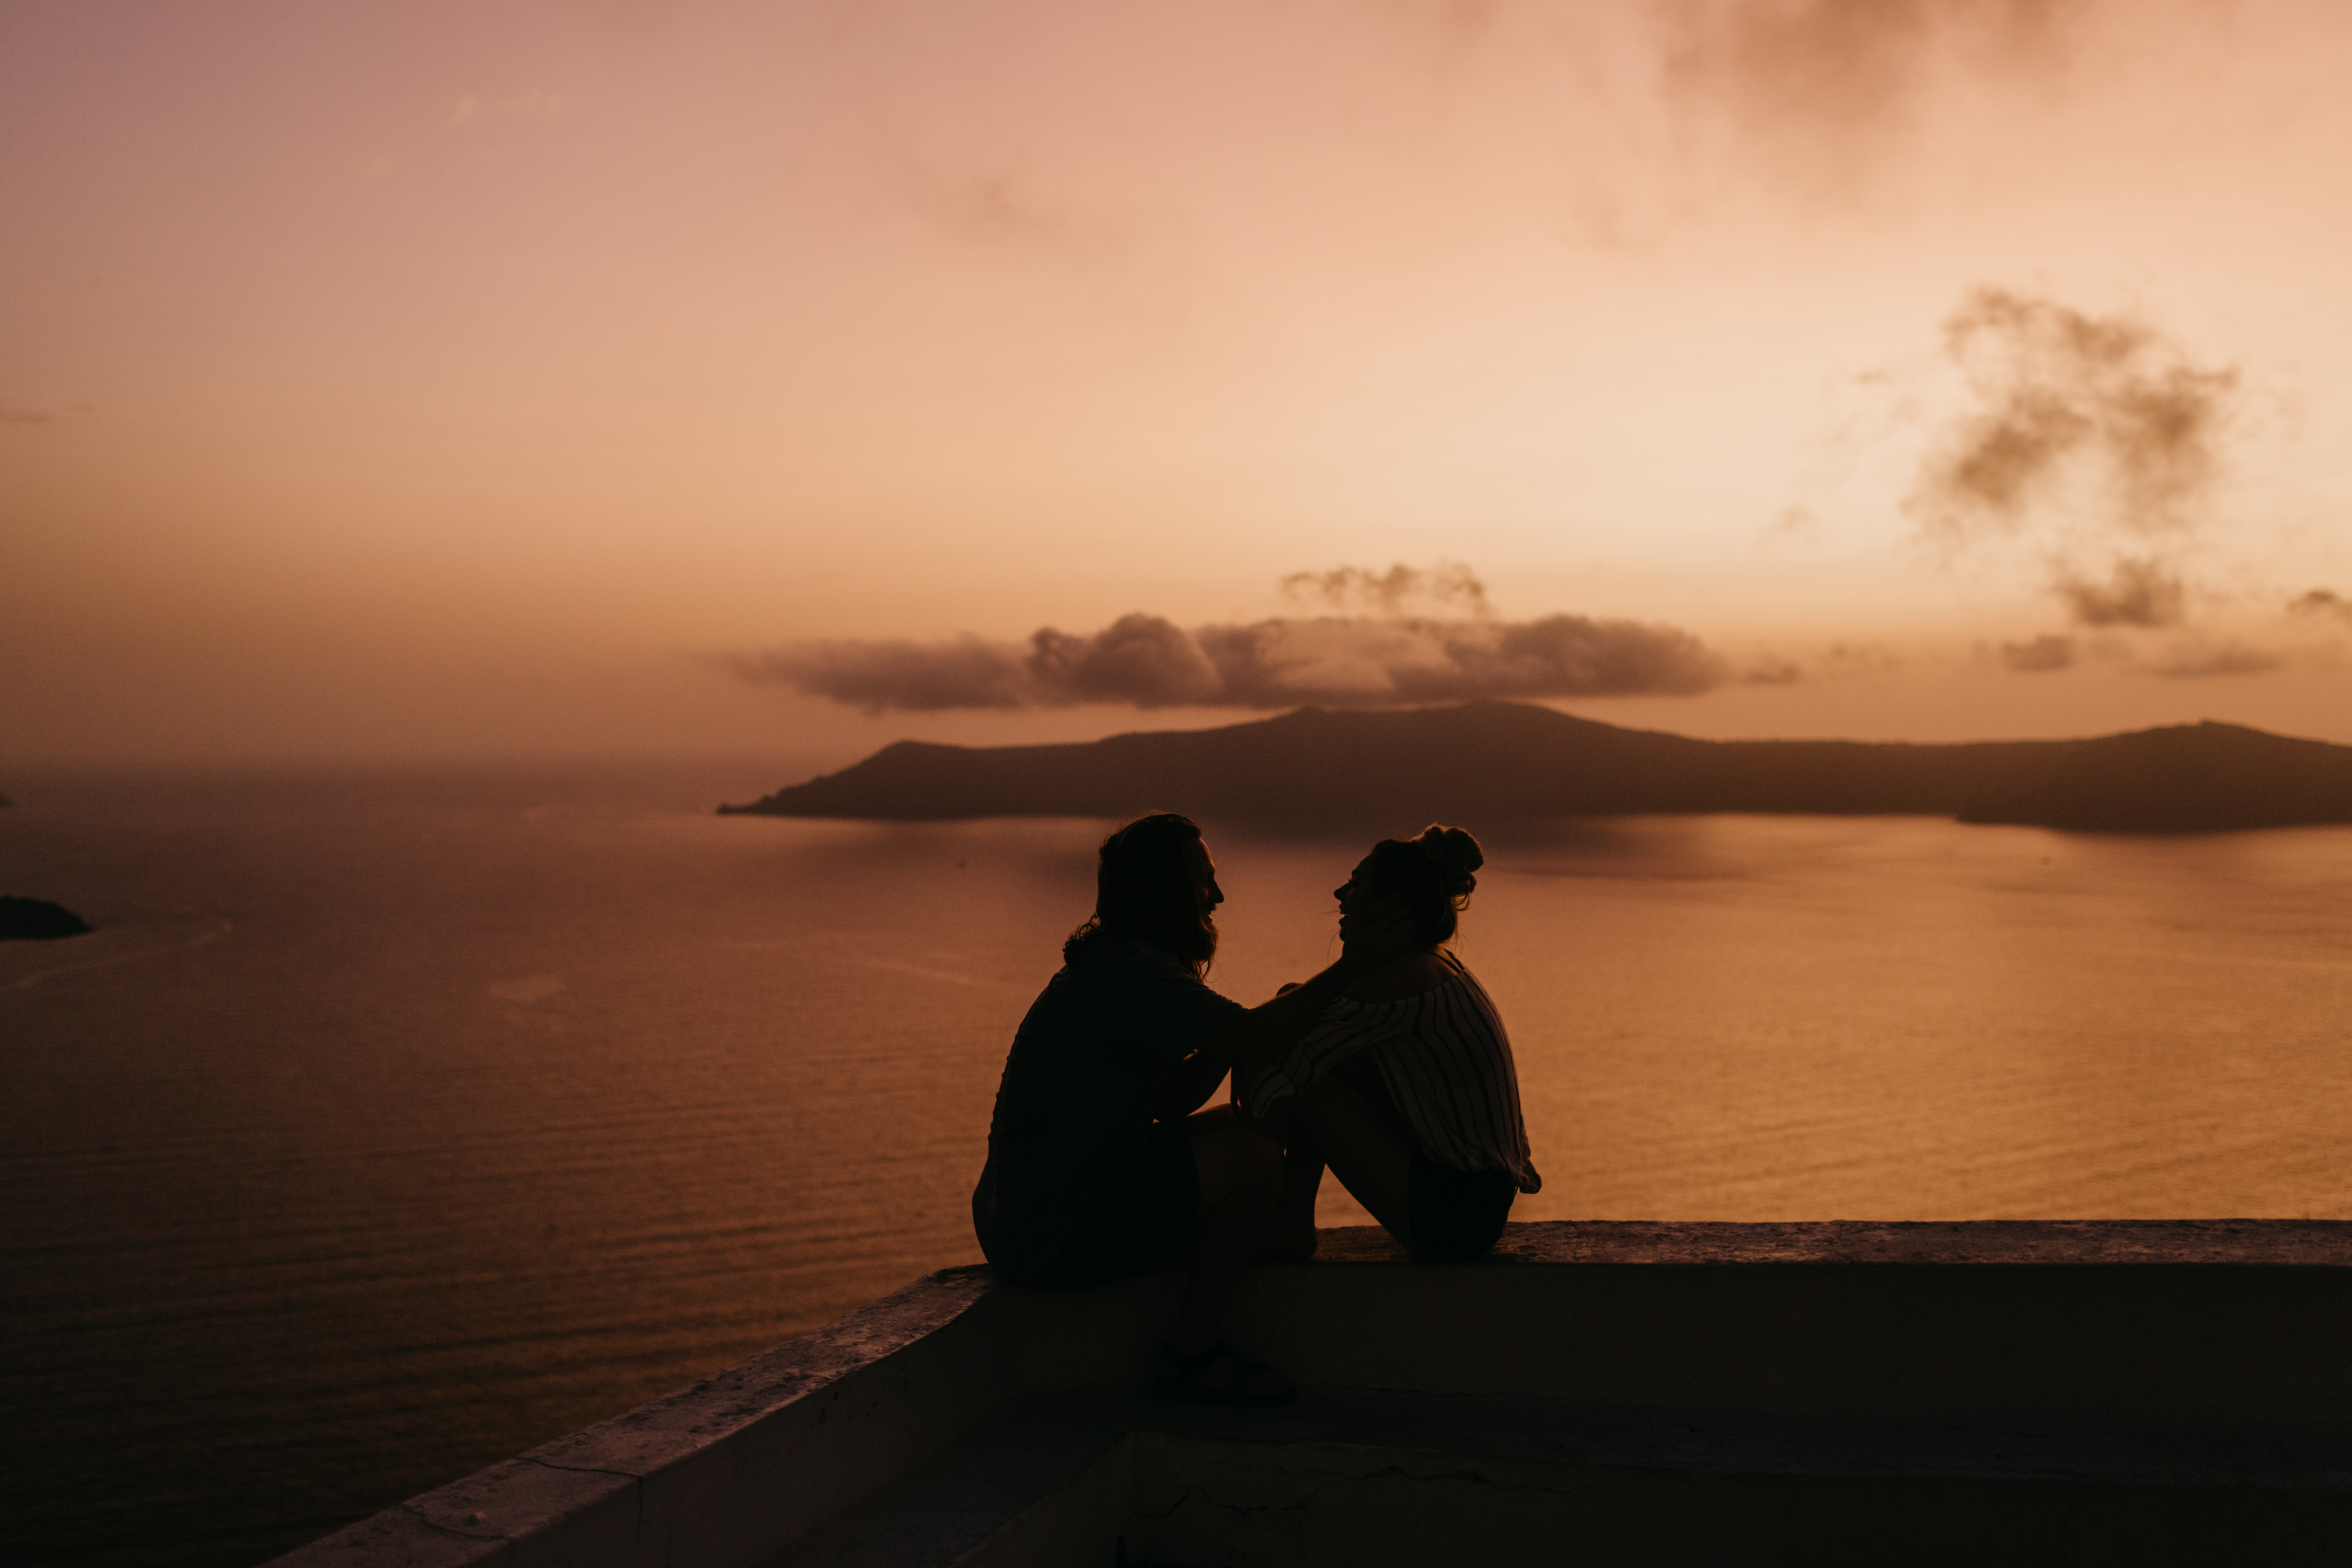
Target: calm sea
(391, 1125)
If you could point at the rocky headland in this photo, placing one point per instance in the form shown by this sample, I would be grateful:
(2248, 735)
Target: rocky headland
(1480, 761)
(38, 920)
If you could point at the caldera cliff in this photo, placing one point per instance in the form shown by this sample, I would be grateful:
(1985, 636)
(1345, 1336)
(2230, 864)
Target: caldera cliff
(1485, 759)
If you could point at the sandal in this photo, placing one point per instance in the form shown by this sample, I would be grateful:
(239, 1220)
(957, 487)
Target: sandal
(1181, 1378)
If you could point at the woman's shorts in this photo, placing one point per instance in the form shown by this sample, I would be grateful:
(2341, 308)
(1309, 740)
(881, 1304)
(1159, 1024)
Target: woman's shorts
(1142, 1209)
(1456, 1215)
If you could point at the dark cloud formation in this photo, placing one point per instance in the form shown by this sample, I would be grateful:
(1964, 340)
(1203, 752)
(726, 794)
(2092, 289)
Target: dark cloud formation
(2072, 412)
(16, 414)
(2321, 602)
(1149, 662)
(2136, 592)
(1276, 663)
(2088, 436)
(2040, 656)
(1140, 660)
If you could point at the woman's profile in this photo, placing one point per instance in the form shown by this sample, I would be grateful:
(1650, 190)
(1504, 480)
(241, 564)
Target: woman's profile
(1097, 1165)
(1404, 1087)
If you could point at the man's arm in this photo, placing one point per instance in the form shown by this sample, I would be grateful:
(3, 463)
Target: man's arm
(1263, 1031)
(1188, 1085)
(1266, 1030)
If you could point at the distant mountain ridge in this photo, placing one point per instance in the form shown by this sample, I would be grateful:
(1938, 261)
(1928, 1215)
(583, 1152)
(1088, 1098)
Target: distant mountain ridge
(1485, 760)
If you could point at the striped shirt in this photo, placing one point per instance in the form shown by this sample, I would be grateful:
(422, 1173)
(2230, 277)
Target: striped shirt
(1445, 1060)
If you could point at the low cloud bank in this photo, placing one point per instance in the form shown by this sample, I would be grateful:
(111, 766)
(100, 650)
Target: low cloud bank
(1147, 662)
(2041, 655)
(2324, 601)
(2202, 661)
(2137, 593)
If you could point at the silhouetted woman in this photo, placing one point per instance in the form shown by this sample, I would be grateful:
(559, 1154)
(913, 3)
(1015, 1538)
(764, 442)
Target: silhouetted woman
(1405, 1085)
(1096, 1165)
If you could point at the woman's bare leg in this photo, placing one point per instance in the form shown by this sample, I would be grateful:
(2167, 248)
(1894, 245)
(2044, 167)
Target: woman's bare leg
(1302, 1177)
(1365, 1150)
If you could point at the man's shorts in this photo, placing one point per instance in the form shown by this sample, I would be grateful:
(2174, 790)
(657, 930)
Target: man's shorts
(1142, 1209)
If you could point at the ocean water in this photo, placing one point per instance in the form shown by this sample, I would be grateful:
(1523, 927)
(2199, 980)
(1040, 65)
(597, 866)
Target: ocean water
(391, 1124)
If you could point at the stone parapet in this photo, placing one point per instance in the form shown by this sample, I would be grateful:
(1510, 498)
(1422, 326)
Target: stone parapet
(1989, 1373)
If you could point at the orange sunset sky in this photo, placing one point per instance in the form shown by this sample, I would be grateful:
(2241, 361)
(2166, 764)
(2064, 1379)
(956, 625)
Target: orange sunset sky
(429, 380)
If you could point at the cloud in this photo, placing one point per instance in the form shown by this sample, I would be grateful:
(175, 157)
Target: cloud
(1277, 662)
(1829, 88)
(2137, 593)
(2042, 656)
(1146, 661)
(2321, 602)
(1448, 584)
(2076, 419)
(2197, 661)
(1000, 208)
(921, 677)
(988, 205)
(1830, 662)
(16, 414)
(2082, 437)
(1141, 659)
(1839, 61)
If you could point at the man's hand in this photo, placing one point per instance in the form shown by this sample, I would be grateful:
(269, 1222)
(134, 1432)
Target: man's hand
(1271, 1025)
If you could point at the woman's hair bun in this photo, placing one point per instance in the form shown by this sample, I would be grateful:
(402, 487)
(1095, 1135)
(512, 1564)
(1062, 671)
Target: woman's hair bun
(1457, 856)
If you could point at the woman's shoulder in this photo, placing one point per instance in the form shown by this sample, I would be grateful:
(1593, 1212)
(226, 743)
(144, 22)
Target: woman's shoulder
(1411, 974)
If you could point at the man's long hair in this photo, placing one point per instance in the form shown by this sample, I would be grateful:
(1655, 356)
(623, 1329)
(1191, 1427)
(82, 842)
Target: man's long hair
(1148, 889)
